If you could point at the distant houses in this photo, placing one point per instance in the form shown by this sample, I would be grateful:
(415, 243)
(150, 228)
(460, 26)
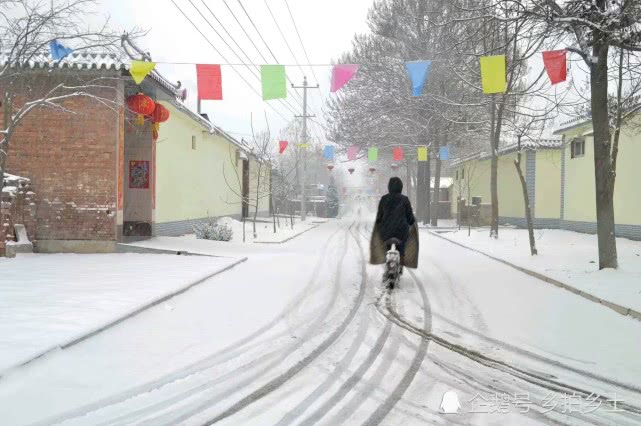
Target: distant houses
(560, 182)
(97, 178)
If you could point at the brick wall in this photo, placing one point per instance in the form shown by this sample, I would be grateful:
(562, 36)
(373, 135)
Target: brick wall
(17, 206)
(70, 158)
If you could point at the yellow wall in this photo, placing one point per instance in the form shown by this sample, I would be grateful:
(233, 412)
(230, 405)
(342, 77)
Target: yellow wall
(580, 203)
(511, 203)
(548, 184)
(190, 182)
(263, 172)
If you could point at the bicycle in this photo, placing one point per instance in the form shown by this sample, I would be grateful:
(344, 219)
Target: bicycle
(393, 267)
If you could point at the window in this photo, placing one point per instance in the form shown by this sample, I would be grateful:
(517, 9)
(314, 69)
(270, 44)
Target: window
(193, 142)
(578, 148)
(457, 175)
(462, 173)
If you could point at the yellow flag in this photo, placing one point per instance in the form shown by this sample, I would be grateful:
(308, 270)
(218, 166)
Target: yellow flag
(493, 74)
(140, 69)
(422, 153)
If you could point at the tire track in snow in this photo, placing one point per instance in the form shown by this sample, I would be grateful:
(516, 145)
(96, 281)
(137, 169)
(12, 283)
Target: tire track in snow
(383, 410)
(279, 381)
(200, 365)
(277, 356)
(503, 366)
(528, 354)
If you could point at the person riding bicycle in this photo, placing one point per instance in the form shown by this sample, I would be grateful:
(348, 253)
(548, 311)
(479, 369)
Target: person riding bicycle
(395, 220)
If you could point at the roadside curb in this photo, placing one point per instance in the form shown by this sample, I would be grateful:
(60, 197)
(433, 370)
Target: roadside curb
(622, 310)
(154, 302)
(314, 226)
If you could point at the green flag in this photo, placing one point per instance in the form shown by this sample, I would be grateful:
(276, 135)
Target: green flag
(372, 155)
(273, 81)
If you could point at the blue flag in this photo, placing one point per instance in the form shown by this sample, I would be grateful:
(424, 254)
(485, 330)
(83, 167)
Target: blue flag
(418, 71)
(444, 153)
(58, 51)
(329, 152)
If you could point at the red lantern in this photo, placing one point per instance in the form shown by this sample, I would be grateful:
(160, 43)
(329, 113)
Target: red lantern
(160, 115)
(141, 105)
(351, 170)
(330, 167)
(372, 169)
(154, 134)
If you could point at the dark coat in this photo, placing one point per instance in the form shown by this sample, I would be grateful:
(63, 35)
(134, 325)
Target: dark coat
(395, 219)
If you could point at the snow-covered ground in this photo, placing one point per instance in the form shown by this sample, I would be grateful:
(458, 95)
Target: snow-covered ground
(569, 257)
(303, 333)
(265, 229)
(48, 300)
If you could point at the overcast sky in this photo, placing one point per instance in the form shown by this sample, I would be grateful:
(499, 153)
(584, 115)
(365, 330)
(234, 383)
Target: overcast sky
(326, 28)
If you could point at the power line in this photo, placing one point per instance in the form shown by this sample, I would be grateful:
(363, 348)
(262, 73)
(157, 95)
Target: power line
(286, 105)
(225, 59)
(242, 27)
(239, 47)
(283, 35)
(285, 39)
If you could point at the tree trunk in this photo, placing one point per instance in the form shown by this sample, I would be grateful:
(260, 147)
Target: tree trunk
(428, 192)
(603, 170)
(526, 200)
(420, 189)
(494, 165)
(437, 192)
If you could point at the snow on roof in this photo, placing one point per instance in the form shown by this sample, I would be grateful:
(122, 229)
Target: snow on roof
(86, 61)
(528, 145)
(445, 182)
(572, 123)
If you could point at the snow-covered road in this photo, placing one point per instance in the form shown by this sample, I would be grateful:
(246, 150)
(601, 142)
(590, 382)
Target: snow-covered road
(302, 333)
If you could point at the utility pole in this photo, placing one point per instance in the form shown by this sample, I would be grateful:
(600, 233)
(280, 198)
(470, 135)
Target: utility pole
(303, 201)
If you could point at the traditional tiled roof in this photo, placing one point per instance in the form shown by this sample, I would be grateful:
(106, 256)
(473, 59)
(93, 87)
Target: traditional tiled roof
(87, 61)
(527, 145)
(573, 123)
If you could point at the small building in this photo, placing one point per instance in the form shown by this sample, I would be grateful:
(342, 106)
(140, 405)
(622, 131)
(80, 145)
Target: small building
(201, 173)
(542, 169)
(97, 179)
(578, 193)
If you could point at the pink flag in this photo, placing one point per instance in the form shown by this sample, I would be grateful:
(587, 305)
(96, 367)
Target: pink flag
(352, 153)
(282, 146)
(341, 74)
(555, 65)
(398, 154)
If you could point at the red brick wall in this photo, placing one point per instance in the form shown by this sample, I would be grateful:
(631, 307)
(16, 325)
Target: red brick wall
(71, 159)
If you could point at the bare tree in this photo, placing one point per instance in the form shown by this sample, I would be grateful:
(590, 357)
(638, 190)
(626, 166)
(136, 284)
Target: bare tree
(592, 30)
(27, 27)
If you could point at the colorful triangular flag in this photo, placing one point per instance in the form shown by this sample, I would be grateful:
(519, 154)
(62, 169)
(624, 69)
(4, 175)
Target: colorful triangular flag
(418, 71)
(58, 51)
(352, 153)
(372, 155)
(282, 146)
(398, 154)
(210, 84)
(328, 154)
(555, 62)
(423, 154)
(493, 74)
(273, 81)
(444, 153)
(341, 74)
(140, 69)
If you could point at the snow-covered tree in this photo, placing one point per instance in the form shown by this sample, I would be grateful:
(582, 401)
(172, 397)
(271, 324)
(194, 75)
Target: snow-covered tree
(27, 27)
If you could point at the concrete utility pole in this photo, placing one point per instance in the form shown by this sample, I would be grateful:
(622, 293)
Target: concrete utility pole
(303, 201)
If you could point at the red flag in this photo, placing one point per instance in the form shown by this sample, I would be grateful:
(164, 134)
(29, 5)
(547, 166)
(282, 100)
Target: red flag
(555, 65)
(282, 146)
(210, 83)
(398, 154)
